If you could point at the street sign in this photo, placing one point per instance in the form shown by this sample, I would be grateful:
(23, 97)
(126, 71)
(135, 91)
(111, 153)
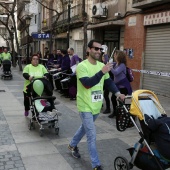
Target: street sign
(40, 35)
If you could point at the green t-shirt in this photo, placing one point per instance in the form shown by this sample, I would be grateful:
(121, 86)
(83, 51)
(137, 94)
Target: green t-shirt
(37, 72)
(5, 56)
(91, 99)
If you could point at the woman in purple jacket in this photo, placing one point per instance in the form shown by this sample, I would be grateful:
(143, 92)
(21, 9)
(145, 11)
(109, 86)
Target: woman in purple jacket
(120, 79)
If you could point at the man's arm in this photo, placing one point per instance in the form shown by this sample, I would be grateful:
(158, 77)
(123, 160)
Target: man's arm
(89, 82)
(110, 85)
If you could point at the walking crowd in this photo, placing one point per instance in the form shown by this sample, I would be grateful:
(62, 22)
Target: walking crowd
(89, 84)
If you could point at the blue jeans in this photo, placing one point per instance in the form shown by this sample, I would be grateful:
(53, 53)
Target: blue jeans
(88, 128)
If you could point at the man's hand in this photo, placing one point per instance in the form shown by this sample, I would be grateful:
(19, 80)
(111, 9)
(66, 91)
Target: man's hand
(107, 68)
(121, 97)
(59, 69)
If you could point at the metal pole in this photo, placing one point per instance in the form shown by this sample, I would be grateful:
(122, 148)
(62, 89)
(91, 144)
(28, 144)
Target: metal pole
(68, 28)
(28, 47)
(13, 51)
(84, 16)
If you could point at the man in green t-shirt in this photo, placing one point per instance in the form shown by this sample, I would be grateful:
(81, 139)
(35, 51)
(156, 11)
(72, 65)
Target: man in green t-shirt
(31, 71)
(91, 77)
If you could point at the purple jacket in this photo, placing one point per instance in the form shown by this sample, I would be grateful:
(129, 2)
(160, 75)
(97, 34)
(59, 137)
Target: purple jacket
(59, 60)
(74, 60)
(65, 65)
(50, 62)
(120, 77)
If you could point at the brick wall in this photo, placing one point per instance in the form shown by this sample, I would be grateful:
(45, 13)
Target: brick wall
(134, 37)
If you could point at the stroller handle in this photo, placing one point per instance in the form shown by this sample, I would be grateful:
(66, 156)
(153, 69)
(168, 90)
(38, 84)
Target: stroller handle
(66, 74)
(44, 97)
(40, 78)
(123, 102)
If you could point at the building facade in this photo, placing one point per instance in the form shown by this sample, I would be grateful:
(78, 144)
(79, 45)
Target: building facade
(147, 34)
(27, 43)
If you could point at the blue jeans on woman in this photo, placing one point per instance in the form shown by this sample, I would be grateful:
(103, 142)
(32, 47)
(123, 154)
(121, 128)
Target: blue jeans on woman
(88, 128)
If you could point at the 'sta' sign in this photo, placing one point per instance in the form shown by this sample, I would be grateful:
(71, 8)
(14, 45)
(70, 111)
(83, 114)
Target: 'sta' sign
(40, 36)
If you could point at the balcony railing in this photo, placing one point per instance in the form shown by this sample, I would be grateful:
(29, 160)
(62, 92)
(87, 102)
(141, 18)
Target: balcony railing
(75, 16)
(147, 3)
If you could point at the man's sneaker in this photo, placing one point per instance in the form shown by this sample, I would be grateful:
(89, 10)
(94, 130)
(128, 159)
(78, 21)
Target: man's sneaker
(98, 168)
(74, 151)
(26, 113)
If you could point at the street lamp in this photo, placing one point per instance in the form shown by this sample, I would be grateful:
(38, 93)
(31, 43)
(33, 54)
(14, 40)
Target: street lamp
(68, 28)
(28, 20)
(13, 50)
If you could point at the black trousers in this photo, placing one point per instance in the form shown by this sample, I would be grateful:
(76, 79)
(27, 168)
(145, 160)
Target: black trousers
(113, 98)
(50, 78)
(26, 101)
(106, 97)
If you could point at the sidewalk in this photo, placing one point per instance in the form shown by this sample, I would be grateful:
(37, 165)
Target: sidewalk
(21, 149)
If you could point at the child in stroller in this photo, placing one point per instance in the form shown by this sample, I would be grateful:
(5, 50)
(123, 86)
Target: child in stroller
(42, 105)
(6, 64)
(152, 149)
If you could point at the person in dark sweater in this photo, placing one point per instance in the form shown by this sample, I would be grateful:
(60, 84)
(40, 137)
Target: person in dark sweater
(65, 66)
(120, 79)
(105, 60)
(59, 59)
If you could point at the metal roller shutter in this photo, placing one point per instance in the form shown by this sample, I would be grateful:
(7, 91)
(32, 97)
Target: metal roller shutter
(157, 58)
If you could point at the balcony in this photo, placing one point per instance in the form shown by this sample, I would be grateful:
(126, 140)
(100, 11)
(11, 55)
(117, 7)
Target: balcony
(141, 4)
(75, 16)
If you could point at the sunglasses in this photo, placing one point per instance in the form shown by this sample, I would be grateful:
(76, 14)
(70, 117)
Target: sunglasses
(97, 49)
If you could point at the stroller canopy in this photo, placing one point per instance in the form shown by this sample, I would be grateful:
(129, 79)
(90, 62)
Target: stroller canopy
(136, 109)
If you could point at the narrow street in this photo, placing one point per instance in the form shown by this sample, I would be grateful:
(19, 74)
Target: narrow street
(21, 149)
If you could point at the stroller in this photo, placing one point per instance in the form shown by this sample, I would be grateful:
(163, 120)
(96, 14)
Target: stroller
(6, 70)
(42, 106)
(152, 149)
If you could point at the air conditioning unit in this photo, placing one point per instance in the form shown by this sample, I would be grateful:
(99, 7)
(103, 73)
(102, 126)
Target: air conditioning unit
(100, 10)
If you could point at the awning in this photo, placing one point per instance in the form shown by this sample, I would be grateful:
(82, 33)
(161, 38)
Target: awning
(104, 24)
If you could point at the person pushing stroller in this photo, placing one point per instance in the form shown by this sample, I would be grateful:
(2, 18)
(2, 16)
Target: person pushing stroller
(31, 71)
(5, 59)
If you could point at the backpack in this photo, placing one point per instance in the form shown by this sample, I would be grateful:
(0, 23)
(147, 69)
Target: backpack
(129, 74)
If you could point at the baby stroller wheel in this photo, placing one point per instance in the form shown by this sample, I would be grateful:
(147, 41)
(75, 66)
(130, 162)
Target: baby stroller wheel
(56, 131)
(121, 163)
(31, 125)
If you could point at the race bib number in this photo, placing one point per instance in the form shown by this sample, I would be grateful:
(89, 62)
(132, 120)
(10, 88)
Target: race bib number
(97, 96)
